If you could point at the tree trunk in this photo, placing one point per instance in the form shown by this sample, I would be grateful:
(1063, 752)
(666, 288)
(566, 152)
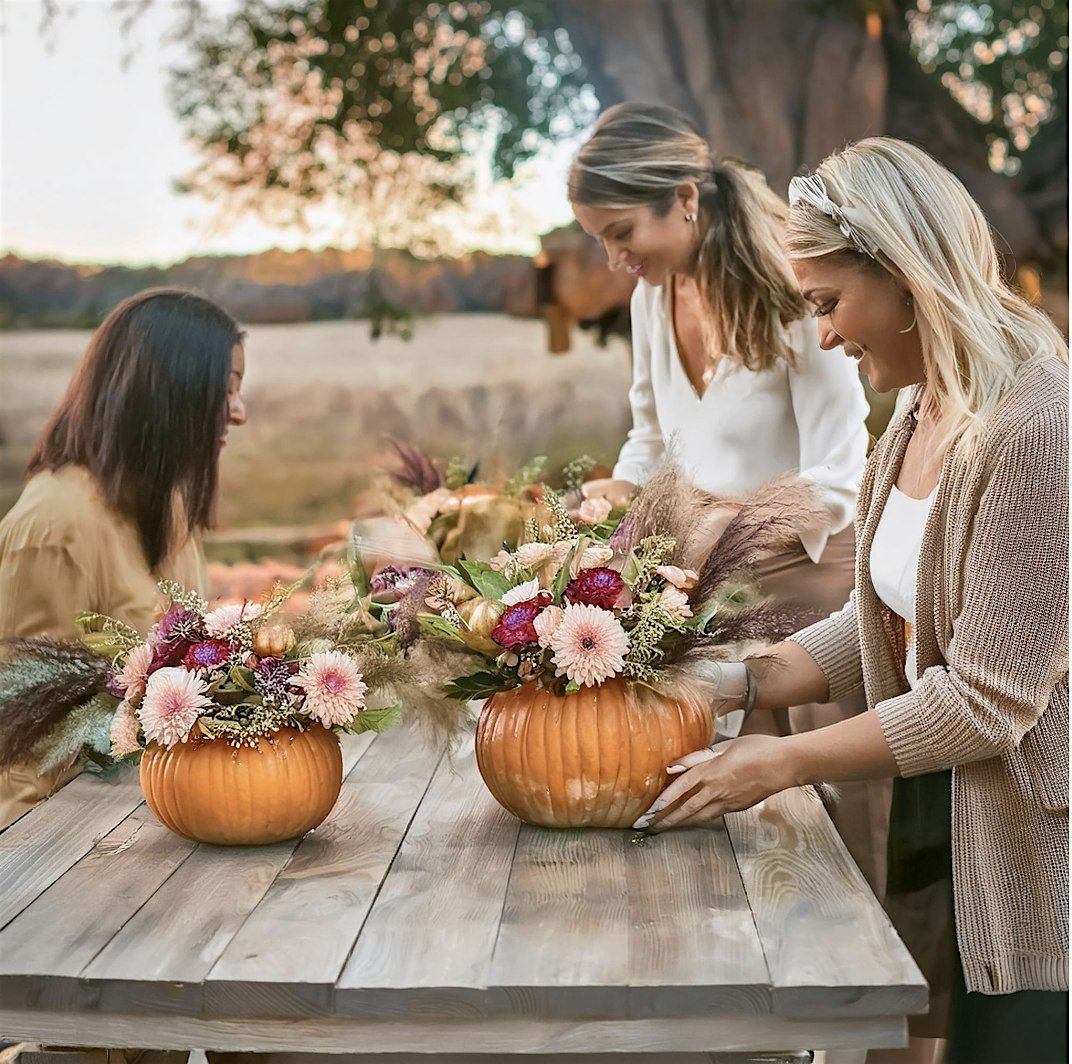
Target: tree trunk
(782, 83)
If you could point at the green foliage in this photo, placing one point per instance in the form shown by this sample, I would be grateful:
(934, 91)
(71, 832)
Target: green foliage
(1004, 61)
(374, 720)
(479, 685)
(295, 103)
(483, 579)
(526, 476)
(575, 472)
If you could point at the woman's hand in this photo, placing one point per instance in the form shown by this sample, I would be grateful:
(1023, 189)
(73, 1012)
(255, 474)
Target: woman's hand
(616, 492)
(734, 775)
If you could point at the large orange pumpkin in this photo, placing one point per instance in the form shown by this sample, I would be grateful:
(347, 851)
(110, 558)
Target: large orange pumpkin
(209, 791)
(596, 758)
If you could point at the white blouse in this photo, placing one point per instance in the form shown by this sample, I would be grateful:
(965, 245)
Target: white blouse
(748, 427)
(894, 561)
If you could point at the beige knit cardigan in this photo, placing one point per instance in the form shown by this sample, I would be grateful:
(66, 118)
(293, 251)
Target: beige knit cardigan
(991, 624)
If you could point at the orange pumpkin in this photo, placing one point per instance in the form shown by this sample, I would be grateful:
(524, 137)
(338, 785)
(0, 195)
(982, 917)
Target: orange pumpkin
(596, 758)
(209, 791)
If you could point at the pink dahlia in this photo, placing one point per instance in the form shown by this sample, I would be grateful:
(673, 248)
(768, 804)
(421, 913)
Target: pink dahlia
(130, 680)
(546, 624)
(596, 587)
(516, 626)
(173, 700)
(334, 689)
(223, 618)
(125, 731)
(589, 645)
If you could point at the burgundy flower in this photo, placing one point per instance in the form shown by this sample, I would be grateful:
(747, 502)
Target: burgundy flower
(167, 655)
(209, 654)
(595, 587)
(177, 623)
(515, 627)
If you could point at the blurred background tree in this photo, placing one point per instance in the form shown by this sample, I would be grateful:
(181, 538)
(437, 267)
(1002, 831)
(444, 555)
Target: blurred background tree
(390, 107)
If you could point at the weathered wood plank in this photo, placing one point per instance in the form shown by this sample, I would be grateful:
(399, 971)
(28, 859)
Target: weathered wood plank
(72, 921)
(726, 1033)
(40, 846)
(693, 944)
(287, 955)
(829, 945)
(432, 929)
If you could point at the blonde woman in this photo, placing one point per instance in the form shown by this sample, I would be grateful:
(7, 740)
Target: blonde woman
(727, 368)
(957, 629)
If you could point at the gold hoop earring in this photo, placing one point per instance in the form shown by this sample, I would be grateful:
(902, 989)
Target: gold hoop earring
(911, 303)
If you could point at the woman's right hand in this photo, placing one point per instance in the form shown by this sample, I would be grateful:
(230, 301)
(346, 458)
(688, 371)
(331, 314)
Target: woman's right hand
(616, 492)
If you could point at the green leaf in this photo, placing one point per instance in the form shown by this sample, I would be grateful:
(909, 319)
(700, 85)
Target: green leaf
(479, 685)
(631, 569)
(483, 579)
(572, 687)
(563, 579)
(374, 720)
(439, 628)
(242, 678)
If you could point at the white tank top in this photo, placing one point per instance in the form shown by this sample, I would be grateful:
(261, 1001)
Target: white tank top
(894, 560)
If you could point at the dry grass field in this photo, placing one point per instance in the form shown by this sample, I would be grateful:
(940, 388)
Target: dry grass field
(322, 397)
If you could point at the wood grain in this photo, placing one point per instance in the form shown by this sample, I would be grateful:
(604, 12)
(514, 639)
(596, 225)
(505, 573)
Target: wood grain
(827, 941)
(504, 1035)
(41, 845)
(286, 957)
(434, 924)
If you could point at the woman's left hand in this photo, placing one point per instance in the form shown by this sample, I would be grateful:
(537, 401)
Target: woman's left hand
(734, 775)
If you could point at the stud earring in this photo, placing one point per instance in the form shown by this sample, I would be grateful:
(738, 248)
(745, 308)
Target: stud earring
(690, 217)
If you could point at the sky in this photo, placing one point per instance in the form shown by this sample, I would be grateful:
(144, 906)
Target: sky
(89, 151)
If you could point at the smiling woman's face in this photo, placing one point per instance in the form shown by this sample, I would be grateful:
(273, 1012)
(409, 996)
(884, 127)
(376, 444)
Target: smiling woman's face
(637, 239)
(868, 312)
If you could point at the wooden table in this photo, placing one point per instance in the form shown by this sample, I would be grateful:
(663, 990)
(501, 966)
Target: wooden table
(421, 917)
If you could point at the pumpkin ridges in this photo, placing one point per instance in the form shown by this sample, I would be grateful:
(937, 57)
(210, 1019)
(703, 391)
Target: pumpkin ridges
(594, 758)
(207, 791)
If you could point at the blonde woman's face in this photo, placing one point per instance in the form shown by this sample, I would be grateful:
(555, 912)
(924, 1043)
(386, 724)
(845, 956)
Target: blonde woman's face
(866, 312)
(636, 239)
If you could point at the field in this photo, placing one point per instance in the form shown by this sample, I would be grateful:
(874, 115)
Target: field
(322, 397)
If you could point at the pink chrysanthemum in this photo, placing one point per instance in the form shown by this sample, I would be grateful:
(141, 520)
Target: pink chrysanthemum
(224, 618)
(589, 645)
(173, 700)
(546, 624)
(334, 689)
(130, 680)
(125, 731)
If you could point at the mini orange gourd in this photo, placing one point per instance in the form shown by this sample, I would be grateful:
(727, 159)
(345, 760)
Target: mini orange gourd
(595, 758)
(210, 791)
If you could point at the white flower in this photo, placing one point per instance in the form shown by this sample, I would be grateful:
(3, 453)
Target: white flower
(594, 511)
(522, 593)
(591, 558)
(132, 676)
(533, 555)
(334, 688)
(676, 603)
(546, 624)
(224, 618)
(681, 578)
(173, 700)
(589, 645)
(502, 562)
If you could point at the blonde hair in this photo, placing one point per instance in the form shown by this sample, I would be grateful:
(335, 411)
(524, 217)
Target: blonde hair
(638, 156)
(927, 232)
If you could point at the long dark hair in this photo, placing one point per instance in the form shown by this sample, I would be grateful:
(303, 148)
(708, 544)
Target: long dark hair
(145, 410)
(638, 156)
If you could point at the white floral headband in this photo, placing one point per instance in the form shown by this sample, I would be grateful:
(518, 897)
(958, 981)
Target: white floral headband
(812, 191)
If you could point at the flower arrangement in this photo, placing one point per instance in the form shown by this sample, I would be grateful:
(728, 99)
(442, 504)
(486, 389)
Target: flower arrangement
(645, 598)
(235, 674)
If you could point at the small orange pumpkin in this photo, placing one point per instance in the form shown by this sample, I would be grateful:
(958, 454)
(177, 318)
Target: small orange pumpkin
(595, 758)
(210, 791)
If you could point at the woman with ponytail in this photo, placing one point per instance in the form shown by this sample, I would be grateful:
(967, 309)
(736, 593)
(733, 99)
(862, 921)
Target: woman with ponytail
(727, 369)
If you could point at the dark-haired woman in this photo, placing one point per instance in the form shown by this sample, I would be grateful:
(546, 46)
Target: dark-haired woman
(727, 368)
(122, 481)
